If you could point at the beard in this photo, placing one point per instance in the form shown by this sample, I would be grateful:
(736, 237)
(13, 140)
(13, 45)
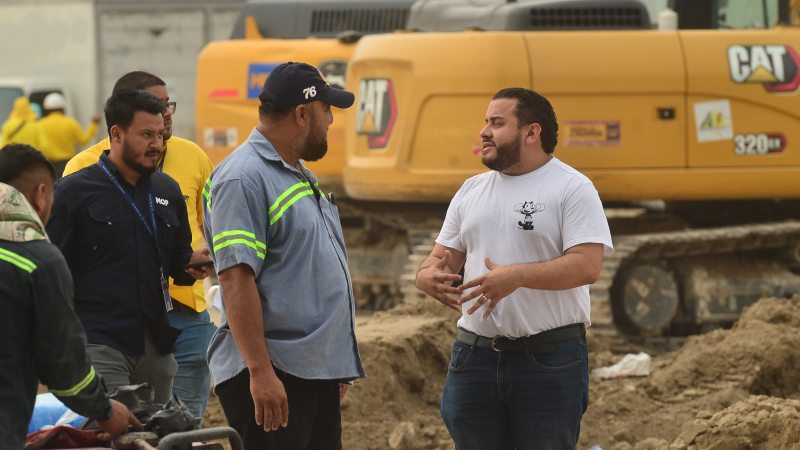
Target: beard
(506, 155)
(129, 158)
(167, 133)
(316, 146)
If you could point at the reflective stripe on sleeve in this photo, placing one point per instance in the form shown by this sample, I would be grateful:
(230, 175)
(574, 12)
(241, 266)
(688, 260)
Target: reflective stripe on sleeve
(207, 194)
(75, 390)
(23, 263)
(239, 237)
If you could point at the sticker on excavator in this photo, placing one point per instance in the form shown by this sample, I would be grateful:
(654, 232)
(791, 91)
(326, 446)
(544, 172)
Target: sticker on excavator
(220, 137)
(591, 133)
(256, 76)
(376, 111)
(758, 144)
(773, 66)
(713, 121)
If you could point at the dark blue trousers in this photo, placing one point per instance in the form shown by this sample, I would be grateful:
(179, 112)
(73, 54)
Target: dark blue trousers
(516, 400)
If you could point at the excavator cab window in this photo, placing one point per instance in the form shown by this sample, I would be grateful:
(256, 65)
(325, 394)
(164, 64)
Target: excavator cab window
(728, 14)
(743, 14)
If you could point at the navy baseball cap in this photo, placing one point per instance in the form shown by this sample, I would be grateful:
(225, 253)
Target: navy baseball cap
(295, 83)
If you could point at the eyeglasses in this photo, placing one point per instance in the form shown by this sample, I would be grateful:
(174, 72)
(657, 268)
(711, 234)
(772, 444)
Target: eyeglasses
(172, 106)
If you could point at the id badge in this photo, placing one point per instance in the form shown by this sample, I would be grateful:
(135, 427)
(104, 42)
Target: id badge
(165, 291)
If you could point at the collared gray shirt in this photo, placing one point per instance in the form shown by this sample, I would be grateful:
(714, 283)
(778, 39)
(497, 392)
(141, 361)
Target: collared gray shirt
(271, 216)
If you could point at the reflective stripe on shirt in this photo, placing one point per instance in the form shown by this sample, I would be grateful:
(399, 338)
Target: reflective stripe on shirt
(23, 263)
(75, 390)
(207, 194)
(282, 204)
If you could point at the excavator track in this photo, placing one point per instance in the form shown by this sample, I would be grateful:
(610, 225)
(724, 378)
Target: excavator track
(416, 232)
(422, 241)
(395, 239)
(661, 247)
(644, 248)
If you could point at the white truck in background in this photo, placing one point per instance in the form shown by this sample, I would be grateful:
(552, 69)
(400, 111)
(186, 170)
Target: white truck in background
(81, 47)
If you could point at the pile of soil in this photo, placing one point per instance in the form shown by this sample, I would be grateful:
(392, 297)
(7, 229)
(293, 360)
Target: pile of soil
(700, 395)
(725, 390)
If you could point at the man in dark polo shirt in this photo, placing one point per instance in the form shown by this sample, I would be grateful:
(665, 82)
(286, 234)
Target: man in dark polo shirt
(123, 229)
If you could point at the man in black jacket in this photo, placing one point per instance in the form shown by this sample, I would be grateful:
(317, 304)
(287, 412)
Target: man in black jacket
(123, 228)
(40, 335)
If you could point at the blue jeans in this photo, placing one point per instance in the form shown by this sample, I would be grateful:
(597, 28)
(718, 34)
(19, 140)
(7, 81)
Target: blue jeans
(192, 382)
(516, 400)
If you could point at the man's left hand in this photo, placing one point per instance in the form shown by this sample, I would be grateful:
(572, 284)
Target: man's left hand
(200, 255)
(343, 387)
(490, 288)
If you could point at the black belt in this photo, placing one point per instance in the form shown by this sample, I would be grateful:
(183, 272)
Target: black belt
(541, 342)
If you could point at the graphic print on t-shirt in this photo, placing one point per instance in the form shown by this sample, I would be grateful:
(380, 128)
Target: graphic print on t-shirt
(528, 209)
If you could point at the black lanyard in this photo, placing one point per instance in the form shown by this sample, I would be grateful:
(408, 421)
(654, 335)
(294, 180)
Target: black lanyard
(151, 227)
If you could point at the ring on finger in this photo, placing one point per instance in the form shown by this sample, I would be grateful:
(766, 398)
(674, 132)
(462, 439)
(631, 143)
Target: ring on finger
(485, 299)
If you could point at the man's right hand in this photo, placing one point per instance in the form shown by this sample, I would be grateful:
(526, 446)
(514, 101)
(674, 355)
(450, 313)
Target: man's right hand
(436, 281)
(269, 398)
(121, 419)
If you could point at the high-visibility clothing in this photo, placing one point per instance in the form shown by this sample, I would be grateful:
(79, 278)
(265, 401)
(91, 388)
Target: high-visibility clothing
(42, 337)
(64, 134)
(21, 126)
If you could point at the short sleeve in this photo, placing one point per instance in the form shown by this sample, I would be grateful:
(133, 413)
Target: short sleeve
(450, 235)
(204, 167)
(237, 225)
(584, 219)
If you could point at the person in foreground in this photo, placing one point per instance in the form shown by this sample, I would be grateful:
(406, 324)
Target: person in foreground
(40, 335)
(287, 345)
(123, 229)
(531, 235)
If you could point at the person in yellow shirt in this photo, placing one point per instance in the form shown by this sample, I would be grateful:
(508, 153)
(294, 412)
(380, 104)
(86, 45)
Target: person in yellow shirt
(188, 164)
(64, 134)
(21, 126)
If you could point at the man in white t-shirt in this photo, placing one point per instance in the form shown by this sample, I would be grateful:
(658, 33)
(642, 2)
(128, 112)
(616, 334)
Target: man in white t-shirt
(531, 235)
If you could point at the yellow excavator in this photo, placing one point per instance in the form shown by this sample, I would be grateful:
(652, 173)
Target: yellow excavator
(685, 119)
(230, 73)
(690, 132)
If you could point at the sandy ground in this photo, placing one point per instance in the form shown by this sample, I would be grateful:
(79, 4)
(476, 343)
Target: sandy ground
(725, 390)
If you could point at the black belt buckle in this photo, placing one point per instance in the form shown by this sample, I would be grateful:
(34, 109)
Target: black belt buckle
(494, 341)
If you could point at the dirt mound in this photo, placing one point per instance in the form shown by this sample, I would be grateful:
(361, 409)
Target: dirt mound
(759, 355)
(757, 423)
(710, 374)
(725, 390)
(405, 353)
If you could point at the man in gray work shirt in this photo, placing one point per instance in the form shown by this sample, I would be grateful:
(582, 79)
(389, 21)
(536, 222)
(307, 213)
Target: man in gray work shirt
(287, 347)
